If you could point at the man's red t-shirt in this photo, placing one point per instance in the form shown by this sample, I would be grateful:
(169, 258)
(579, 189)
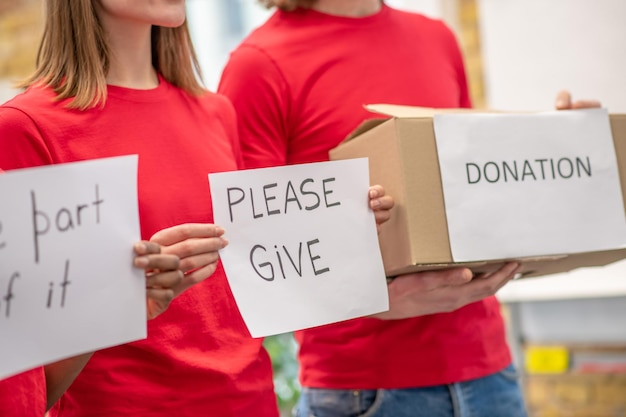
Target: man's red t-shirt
(298, 84)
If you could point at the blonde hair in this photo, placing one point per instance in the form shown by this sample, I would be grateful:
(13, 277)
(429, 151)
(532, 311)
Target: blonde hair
(74, 58)
(287, 5)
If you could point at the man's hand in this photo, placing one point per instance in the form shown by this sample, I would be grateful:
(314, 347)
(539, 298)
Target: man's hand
(442, 291)
(564, 102)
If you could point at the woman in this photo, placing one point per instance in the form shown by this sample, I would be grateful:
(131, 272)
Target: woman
(117, 77)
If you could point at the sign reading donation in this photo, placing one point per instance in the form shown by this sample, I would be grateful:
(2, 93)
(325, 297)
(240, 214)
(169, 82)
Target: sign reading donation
(530, 184)
(303, 248)
(67, 281)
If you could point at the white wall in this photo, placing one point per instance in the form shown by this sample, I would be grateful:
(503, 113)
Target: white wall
(533, 48)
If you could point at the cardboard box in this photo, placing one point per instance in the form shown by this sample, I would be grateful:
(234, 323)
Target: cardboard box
(403, 157)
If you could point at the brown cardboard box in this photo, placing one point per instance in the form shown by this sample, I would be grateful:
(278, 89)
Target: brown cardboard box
(402, 156)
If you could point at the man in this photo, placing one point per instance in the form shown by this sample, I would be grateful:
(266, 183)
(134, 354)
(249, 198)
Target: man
(298, 84)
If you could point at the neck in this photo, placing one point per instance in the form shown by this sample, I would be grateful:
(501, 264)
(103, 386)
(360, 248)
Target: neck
(131, 56)
(348, 8)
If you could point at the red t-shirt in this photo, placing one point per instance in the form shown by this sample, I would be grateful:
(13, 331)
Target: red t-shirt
(299, 83)
(23, 395)
(199, 358)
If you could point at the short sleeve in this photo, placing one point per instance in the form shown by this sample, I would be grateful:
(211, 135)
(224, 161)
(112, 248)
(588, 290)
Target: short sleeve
(257, 89)
(21, 143)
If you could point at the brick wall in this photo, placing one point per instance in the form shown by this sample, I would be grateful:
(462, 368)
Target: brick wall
(470, 44)
(21, 24)
(576, 394)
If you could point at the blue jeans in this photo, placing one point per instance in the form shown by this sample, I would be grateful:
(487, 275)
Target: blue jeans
(496, 395)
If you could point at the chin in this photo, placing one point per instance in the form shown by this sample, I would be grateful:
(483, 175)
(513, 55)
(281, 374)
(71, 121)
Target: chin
(172, 21)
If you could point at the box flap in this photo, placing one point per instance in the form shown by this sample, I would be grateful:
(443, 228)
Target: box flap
(395, 110)
(364, 127)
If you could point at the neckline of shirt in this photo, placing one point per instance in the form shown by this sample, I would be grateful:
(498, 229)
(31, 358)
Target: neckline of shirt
(360, 21)
(133, 94)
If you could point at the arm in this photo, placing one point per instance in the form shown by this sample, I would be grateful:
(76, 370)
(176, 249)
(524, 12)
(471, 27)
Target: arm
(258, 90)
(61, 374)
(162, 276)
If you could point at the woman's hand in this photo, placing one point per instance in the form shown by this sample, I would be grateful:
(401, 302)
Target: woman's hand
(197, 246)
(162, 276)
(381, 204)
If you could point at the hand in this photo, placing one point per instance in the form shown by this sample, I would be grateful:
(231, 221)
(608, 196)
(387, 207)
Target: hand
(162, 276)
(442, 291)
(197, 245)
(564, 102)
(381, 204)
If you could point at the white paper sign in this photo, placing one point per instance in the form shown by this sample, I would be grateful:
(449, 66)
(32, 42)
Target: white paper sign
(67, 284)
(303, 248)
(530, 185)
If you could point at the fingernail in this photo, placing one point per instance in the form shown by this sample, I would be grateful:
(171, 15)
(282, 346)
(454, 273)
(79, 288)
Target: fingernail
(224, 242)
(374, 203)
(141, 262)
(468, 274)
(219, 230)
(373, 193)
(561, 104)
(141, 247)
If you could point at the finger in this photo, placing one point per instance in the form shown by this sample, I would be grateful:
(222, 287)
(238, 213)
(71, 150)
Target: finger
(163, 262)
(563, 100)
(430, 280)
(382, 203)
(164, 280)
(194, 247)
(586, 104)
(157, 301)
(489, 284)
(195, 277)
(449, 277)
(181, 232)
(146, 247)
(198, 261)
(382, 216)
(376, 191)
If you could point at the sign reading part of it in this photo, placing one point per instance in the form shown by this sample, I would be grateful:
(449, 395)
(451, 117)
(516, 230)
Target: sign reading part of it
(303, 248)
(66, 238)
(530, 184)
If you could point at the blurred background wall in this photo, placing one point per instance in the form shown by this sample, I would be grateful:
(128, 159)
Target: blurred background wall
(567, 331)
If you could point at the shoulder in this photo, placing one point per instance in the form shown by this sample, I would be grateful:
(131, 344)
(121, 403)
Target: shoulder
(426, 24)
(32, 99)
(16, 114)
(216, 108)
(250, 56)
(216, 103)
(31, 107)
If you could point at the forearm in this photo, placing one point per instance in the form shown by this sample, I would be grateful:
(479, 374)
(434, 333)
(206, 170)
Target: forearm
(61, 374)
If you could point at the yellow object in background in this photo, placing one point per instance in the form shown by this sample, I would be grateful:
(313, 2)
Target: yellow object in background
(546, 359)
